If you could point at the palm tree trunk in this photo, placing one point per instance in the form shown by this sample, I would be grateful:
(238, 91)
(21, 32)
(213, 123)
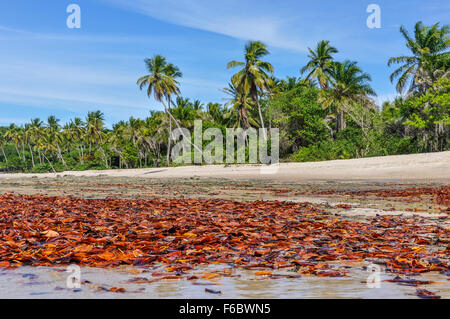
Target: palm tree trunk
(60, 155)
(340, 121)
(23, 152)
(82, 153)
(244, 118)
(169, 142)
(17, 150)
(4, 155)
(105, 158)
(49, 162)
(32, 156)
(79, 154)
(261, 119)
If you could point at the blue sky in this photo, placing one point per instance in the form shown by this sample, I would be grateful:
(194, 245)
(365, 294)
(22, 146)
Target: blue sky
(47, 68)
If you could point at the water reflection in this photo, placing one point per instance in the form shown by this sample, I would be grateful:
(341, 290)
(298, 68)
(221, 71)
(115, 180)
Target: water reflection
(43, 282)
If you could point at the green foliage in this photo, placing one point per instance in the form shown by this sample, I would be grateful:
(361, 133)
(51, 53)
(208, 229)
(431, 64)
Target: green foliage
(431, 108)
(299, 117)
(41, 168)
(130, 154)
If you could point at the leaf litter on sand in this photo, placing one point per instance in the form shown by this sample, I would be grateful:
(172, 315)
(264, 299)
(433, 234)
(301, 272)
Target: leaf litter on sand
(184, 233)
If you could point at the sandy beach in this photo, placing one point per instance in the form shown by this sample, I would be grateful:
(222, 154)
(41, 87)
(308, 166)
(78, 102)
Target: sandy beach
(424, 167)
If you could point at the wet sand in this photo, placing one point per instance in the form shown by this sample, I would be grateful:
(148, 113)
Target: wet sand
(42, 282)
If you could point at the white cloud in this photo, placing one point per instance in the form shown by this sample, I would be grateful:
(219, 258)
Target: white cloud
(79, 88)
(53, 97)
(237, 19)
(43, 73)
(19, 34)
(6, 121)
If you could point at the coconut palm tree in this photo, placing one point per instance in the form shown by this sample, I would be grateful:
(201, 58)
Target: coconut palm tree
(116, 141)
(162, 84)
(216, 113)
(428, 52)
(54, 137)
(94, 128)
(13, 134)
(28, 139)
(3, 143)
(76, 134)
(35, 130)
(47, 145)
(320, 63)
(253, 80)
(154, 134)
(95, 134)
(133, 130)
(240, 106)
(348, 85)
(175, 73)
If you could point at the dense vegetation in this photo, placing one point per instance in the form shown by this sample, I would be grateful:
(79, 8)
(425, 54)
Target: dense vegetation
(328, 113)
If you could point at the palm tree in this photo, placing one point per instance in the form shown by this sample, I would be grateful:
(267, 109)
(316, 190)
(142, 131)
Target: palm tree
(253, 79)
(154, 134)
(133, 131)
(175, 73)
(95, 127)
(428, 51)
(240, 106)
(28, 139)
(320, 63)
(216, 113)
(3, 143)
(348, 85)
(13, 134)
(47, 144)
(116, 141)
(54, 137)
(291, 83)
(197, 105)
(36, 130)
(161, 83)
(76, 133)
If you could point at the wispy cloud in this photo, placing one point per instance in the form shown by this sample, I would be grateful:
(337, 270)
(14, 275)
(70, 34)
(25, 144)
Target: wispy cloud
(19, 34)
(8, 120)
(237, 19)
(79, 88)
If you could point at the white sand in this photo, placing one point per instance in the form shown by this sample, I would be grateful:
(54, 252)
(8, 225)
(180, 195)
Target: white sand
(424, 167)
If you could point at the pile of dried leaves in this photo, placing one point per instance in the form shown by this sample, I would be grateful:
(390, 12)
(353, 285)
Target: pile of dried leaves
(49, 231)
(441, 195)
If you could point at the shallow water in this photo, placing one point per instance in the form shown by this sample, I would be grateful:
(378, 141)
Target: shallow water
(44, 282)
